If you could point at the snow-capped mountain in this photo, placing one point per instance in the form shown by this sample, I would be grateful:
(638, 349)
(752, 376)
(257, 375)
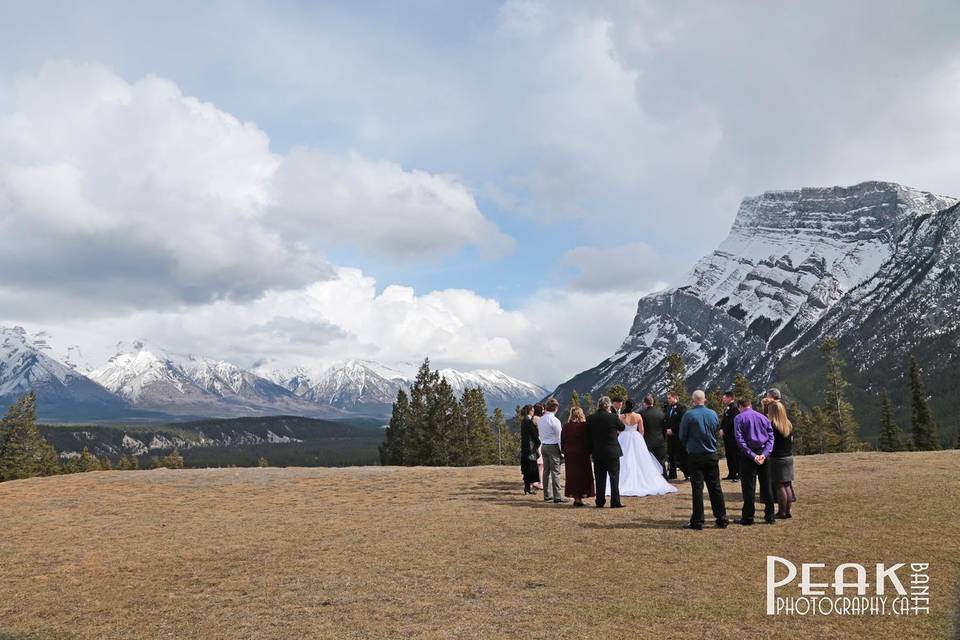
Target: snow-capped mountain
(499, 389)
(61, 391)
(796, 266)
(153, 378)
(372, 386)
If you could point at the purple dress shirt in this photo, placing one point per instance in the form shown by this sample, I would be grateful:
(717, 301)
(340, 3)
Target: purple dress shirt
(754, 433)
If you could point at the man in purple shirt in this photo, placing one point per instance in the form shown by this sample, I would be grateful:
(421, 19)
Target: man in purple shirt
(754, 436)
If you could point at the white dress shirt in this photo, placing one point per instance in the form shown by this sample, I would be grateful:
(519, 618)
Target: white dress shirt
(549, 428)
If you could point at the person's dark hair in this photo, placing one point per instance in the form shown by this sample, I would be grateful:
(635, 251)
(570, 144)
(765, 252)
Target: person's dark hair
(538, 409)
(673, 394)
(526, 409)
(648, 400)
(552, 405)
(729, 394)
(628, 406)
(743, 403)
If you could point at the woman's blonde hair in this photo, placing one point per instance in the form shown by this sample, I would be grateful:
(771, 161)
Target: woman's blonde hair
(576, 415)
(778, 417)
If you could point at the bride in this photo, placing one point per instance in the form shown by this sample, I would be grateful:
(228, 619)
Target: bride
(640, 472)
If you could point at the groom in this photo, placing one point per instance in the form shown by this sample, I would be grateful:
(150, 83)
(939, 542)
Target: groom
(603, 428)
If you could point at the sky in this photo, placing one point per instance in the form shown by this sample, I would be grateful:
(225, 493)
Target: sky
(488, 184)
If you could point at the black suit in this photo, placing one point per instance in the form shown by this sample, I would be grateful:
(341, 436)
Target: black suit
(653, 433)
(676, 452)
(603, 444)
(730, 441)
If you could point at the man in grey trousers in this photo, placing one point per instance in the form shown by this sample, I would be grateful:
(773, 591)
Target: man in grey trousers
(549, 427)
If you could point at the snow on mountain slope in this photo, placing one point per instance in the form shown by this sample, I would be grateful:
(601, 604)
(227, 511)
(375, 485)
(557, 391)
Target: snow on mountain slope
(790, 257)
(357, 384)
(60, 390)
(154, 378)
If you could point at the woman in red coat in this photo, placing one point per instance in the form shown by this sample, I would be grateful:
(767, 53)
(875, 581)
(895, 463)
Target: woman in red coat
(573, 444)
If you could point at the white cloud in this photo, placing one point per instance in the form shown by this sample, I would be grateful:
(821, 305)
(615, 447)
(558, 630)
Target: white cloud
(629, 268)
(554, 335)
(137, 196)
(378, 205)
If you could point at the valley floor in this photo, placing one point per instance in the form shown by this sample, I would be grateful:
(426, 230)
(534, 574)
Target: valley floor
(374, 552)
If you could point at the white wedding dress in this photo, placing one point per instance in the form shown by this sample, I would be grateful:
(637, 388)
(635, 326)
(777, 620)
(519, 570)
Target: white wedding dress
(640, 473)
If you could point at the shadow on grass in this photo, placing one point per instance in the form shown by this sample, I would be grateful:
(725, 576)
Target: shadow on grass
(637, 524)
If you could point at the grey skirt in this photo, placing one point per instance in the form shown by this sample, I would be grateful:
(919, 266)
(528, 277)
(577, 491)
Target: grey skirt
(781, 469)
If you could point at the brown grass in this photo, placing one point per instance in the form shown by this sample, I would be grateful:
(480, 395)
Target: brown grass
(438, 553)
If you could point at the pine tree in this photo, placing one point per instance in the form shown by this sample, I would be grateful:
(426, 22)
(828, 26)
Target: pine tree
(801, 430)
(507, 442)
(391, 451)
(617, 393)
(172, 460)
(445, 426)
(418, 437)
(105, 463)
(924, 427)
(481, 444)
(822, 437)
(24, 453)
(588, 405)
(263, 462)
(891, 438)
(88, 461)
(715, 400)
(575, 400)
(127, 463)
(836, 407)
(677, 376)
(742, 389)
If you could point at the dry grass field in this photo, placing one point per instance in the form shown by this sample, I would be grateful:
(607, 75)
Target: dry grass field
(448, 553)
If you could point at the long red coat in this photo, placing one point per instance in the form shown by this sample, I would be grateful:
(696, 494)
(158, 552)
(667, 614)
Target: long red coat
(573, 443)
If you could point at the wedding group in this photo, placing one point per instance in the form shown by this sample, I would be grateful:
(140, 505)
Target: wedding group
(622, 451)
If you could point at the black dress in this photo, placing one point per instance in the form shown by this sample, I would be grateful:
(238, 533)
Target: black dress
(529, 451)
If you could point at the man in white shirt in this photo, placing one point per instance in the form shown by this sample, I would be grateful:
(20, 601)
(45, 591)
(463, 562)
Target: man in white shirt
(549, 427)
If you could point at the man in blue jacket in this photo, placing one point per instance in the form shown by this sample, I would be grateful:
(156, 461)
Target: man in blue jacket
(698, 434)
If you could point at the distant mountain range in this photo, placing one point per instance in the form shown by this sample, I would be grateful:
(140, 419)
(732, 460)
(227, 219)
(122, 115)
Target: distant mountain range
(876, 265)
(148, 382)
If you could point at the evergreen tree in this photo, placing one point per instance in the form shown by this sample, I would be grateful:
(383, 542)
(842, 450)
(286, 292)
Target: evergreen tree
(575, 400)
(742, 389)
(480, 445)
(70, 466)
(924, 427)
(836, 407)
(445, 427)
(88, 461)
(23, 451)
(391, 451)
(891, 438)
(677, 376)
(172, 460)
(417, 442)
(588, 405)
(822, 437)
(617, 392)
(105, 463)
(127, 463)
(507, 442)
(801, 430)
(715, 401)
(263, 462)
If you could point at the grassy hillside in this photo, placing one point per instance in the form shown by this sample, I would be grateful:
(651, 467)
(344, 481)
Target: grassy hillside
(380, 552)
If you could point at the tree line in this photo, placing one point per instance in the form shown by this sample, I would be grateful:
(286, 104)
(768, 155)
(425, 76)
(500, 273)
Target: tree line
(432, 427)
(829, 426)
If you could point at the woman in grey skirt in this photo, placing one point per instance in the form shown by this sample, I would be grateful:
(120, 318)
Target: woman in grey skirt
(781, 460)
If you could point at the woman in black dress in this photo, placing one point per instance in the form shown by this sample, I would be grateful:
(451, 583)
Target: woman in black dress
(529, 450)
(781, 459)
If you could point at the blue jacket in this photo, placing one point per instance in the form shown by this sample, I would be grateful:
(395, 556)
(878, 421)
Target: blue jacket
(698, 430)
